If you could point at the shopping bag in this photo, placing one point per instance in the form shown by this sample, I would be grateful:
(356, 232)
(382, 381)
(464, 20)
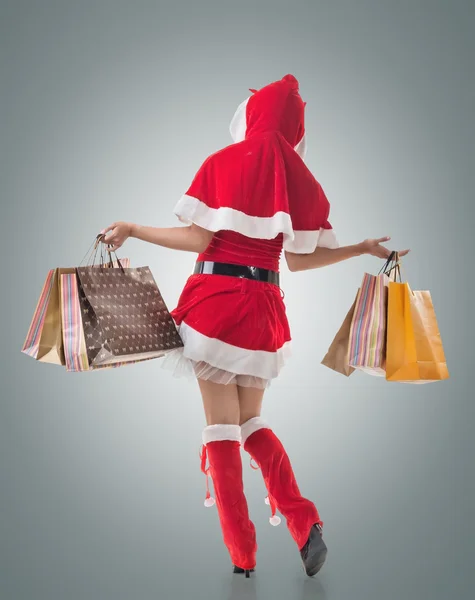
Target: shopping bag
(415, 352)
(81, 357)
(125, 318)
(43, 341)
(337, 356)
(32, 340)
(74, 327)
(74, 342)
(367, 334)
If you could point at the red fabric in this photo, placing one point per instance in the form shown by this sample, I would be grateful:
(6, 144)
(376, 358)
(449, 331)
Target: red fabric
(242, 312)
(268, 452)
(277, 107)
(234, 248)
(225, 468)
(263, 175)
(254, 194)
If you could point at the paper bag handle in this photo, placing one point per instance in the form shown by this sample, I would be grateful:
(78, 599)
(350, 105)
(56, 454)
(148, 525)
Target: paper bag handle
(389, 260)
(91, 254)
(100, 239)
(386, 269)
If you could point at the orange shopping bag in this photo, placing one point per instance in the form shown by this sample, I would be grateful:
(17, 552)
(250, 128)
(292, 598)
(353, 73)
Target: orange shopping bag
(414, 351)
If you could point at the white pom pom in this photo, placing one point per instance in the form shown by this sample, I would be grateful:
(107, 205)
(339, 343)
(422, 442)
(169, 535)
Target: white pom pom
(275, 520)
(209, 502)
(267, 501)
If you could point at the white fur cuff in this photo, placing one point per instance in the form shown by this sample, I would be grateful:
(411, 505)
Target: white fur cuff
(219, 433)
(251, 426)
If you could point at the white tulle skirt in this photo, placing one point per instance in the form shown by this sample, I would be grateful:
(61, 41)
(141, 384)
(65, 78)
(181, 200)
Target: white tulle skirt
(181, 366)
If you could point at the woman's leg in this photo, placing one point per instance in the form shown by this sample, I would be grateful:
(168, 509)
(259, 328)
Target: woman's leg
(220, 402)
(250, 402)
(267, 451)
(222, 449)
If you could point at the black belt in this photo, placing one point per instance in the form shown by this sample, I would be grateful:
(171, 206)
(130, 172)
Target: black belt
(214, 268)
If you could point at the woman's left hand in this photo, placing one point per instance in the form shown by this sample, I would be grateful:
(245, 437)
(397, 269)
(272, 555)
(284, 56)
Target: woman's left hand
(375, 248)
(119, 233)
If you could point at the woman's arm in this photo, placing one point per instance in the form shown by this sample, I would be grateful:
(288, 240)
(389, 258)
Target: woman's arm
(322, 257)
(191, 238)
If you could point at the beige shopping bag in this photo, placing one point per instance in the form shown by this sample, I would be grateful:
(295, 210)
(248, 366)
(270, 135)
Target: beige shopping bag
(50, 344)
(338, 354)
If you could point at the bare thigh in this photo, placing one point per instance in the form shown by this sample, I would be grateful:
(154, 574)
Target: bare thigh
(220, 402)
(250, 402)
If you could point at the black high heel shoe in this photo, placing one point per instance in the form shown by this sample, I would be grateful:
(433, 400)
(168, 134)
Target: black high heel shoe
(246, 571)
(314, 552)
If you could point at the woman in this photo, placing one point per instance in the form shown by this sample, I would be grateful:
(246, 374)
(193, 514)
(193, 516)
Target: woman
(248, 203)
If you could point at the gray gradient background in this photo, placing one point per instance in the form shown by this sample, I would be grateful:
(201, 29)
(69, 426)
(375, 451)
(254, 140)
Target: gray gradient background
(107, 110)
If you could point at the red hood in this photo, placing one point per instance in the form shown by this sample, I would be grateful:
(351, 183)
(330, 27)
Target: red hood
(277, 107)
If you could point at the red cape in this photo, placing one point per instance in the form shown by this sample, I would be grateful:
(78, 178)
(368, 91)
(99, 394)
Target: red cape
(260, 186)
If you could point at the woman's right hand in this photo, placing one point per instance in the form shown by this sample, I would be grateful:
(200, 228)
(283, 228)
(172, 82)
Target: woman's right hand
(375, 248)
(116, 235)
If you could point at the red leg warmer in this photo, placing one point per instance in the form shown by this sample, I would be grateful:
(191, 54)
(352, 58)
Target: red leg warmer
(268, 452)
(222, 448)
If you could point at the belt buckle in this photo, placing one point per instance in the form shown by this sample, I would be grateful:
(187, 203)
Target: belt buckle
(254, 272)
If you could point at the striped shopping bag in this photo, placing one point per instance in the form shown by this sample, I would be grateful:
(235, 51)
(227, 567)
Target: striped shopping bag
(72, 326)
(43, 341)
(367, 344)
(32, 341)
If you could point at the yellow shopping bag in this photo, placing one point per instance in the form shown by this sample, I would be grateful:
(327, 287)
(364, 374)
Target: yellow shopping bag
(414, 351)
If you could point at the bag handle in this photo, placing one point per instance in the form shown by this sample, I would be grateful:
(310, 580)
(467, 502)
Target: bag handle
(91, 254)
(387, 263)
(396, 267)
(100, 239)
(394, 260)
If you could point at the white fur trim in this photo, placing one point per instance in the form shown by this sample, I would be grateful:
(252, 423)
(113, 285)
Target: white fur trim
(191, 210)
(305, 242)
(241, 361)
(238, 124)
(301, 147)
(327, 239)
(221, 432)
(275, 520)
(252, 425)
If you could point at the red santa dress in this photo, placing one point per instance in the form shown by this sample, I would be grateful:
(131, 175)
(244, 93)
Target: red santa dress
(259, 198)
